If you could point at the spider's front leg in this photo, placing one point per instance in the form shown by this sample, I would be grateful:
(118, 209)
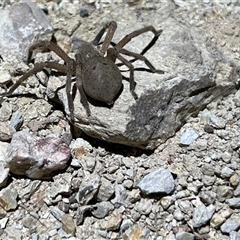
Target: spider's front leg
(79, 84)
(37, 68)
(118, 51)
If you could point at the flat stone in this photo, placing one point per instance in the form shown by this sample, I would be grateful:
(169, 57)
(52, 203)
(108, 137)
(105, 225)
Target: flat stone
(103, 209)
(37, 158)
(202, 214)
(68, 224)
(234, 235)
(188, 137)
(6, 131)
(88, 189)
(119, 198)
(160, 181)
(106, 190)
(3, 222)
(226, 172)
(184, 236)
(8, 198)
(114, 221)
(230, 225)
(5, 112)
(57, 213)
(27, 191)
(233, 202)
(185, 206)
(217, 122)
(223, 193)
(61, 184)
(5, 77)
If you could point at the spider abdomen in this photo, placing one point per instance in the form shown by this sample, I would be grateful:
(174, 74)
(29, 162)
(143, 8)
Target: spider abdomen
(102, 80)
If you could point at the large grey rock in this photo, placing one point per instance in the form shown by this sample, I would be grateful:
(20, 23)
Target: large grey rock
(196, 73)
(35, 157)
(22, 25)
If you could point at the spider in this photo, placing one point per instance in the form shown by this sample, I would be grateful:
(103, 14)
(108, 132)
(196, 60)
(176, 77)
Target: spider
(97, 75)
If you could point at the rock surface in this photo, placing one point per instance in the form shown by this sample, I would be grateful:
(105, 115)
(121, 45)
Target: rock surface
(4, 170)
(37, 158)
(197, 72)
(158, 182)
(22, 25)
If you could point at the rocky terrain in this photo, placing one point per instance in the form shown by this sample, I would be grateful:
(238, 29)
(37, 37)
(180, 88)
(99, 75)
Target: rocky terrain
(163, 167)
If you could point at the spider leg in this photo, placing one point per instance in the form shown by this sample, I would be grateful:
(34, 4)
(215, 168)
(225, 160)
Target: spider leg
(142, 58)
(79, 84)
(38, 67)
(111, 26)
(150, 44)
(153, 41)
(97, 39)
(112, 52)
(52, 47)
(136, 33)
(70, 68)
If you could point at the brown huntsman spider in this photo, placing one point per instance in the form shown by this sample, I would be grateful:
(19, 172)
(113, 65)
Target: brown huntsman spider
(97, 75)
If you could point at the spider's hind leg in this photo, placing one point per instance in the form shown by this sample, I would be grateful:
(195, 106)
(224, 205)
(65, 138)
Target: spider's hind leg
(37, 68)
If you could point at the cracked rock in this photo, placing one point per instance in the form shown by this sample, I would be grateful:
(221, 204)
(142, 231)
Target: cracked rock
(196, 73)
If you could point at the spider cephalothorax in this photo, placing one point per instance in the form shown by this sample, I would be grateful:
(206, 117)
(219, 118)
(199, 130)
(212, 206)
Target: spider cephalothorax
(96, 73)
